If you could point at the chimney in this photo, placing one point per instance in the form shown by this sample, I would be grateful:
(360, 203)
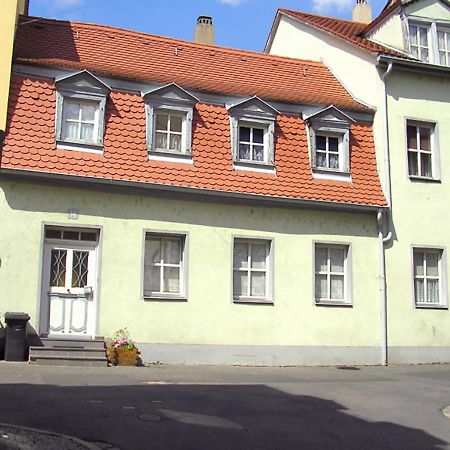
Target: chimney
(362, 12)
(204, 31)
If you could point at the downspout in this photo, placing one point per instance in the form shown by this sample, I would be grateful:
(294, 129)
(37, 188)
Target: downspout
(385, 217)
(2, 140)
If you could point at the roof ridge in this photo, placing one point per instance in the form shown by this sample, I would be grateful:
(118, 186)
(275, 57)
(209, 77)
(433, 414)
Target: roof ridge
(321, 16)
(296, 61)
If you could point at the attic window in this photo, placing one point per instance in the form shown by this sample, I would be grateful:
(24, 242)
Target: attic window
(80, 111)
(329, 131)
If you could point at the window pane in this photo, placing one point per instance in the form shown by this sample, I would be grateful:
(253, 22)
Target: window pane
(162, 121)
(413, 35)
(432, 291)
(442, 58)
(432, 264)
(333, 144)
(244, 134)
(423, 33)
(334, 161)
(88, 112)
(244, 151)
(86, 236)
(259, 253)
(258, 153)
(321, 142)
(418, 263)
(58, 268)
(175, 142)
(87, 132)
(337, 257)
(412, 137)
(71, 130)
(415, 52)
(172, 251)
(72, 110)
(321, 259)
(413, 164)
(337, 287)
(424, 55)
(321, 159)
(418, 290)
(240, 255)
(321, 286)
(73, 235)
(155, 278)
(161, 141)
(258, 136)
(53, 234)
(425, 134)
(425, 165)
(80, 269)
(171, 280)
(176, 123)
(258, 286)
(441, 40)
(152, 250)
(240, 283)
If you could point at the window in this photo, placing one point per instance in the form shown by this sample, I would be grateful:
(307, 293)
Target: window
(252, 270)
(428, 277)
(331, 274)
(170, 111)
(420, 141)
(164, 266)
(80, 111)
(418, 41)
(329, 134)
(444, 46)
(252, 134)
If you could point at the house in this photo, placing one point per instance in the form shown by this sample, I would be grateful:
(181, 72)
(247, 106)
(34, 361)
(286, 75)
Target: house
(398, 64)
(175, 188)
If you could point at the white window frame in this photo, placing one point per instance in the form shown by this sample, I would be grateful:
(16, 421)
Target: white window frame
(82, 88)
(79, 121)
(446, 30)
(347, 274)
(434, 149)
(442, 277)
(341, 154)
(183, 266)
(421, 25)
(269, 270)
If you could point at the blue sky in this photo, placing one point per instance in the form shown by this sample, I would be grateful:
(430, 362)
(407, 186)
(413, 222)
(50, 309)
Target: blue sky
(239, 23)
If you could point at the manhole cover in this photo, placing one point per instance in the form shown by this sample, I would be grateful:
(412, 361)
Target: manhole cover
(149, 417)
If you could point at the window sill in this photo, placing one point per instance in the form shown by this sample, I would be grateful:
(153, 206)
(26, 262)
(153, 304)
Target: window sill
(80, 147)
(254, 167)
(325, 174)
(170, 157)
(164, 298)
(418, 179)
(430, 306)
(333, 303)
(250, 300)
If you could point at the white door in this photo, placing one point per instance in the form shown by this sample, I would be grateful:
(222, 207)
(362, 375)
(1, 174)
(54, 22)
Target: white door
(70, 288)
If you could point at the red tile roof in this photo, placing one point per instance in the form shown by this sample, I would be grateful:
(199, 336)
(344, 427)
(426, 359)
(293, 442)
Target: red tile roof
(139, 56)
(350, 31)
(30, 145)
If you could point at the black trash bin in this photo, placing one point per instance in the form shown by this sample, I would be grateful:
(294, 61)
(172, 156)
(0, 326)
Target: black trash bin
(16, 336)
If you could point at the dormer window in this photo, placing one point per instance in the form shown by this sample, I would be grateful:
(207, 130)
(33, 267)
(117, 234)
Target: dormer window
(80, 112)
(444, 45)
(169, 123)
(252, 134)
(419, 41)
(329, 131)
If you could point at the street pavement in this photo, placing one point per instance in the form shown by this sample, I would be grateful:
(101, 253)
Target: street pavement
(222, 407)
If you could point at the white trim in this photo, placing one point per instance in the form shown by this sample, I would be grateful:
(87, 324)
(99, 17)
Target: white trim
(250, 167)
(170, 157)
(79, 148)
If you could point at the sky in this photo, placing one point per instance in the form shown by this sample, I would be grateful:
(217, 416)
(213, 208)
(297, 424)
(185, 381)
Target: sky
(239, 23)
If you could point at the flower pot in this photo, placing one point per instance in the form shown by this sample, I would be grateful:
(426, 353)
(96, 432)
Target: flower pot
(126, 356)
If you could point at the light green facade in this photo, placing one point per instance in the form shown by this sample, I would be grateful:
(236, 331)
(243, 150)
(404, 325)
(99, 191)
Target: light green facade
(209, 317)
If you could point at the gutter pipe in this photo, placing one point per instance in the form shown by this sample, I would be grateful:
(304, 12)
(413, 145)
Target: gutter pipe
(385, 218)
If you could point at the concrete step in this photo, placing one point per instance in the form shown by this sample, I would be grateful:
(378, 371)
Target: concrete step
(73, 343)
(63, 352)
(85, 361)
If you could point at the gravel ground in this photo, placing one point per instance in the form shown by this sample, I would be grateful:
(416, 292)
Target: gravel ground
(15, 438)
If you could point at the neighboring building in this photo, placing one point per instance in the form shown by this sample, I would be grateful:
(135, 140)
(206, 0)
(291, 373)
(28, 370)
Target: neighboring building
(221, 204)
(398, 64)
(9, 13)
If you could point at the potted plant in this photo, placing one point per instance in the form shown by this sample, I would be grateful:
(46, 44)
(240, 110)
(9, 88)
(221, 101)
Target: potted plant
(122, 350)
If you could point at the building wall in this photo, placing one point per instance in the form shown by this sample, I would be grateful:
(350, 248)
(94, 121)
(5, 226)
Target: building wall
(208, 328)
(420, 209)
(390, 33)
(428, 9)
(9, 10)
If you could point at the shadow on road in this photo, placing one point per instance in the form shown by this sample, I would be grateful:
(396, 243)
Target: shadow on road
(197, 417)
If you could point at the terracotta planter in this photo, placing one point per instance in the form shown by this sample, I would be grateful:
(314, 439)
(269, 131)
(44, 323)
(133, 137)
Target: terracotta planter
(126, 357)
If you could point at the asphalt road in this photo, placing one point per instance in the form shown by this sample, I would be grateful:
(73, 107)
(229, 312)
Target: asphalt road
(214, 408)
